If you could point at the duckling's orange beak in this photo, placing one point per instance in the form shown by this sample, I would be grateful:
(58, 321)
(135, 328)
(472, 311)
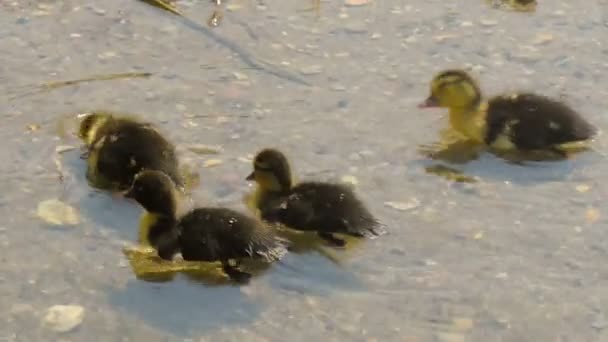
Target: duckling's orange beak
(251, 177)
(430, 102)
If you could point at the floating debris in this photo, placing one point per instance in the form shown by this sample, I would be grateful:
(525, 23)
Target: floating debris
(63, 318)
(582, 188)
(215, 19)
(450, 174)
(55, 212)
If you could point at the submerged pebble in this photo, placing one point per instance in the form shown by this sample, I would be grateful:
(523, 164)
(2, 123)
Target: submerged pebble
(63, 318)
(55, 212)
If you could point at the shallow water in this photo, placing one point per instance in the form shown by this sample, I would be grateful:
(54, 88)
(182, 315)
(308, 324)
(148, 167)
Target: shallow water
(518, 255)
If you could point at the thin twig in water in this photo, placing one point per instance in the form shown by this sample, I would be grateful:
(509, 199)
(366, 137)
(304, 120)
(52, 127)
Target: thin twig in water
(163, 5)
(33, 89)
(244, 55)
(59, 84)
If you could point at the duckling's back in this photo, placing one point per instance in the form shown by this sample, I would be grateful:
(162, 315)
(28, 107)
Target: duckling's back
(129, 147)
(535, 121)
(211, 234)
(327, 207)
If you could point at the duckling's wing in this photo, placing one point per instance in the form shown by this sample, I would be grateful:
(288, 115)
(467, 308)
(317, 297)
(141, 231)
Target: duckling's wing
(127, 151)
(535, 122)
(332, 208)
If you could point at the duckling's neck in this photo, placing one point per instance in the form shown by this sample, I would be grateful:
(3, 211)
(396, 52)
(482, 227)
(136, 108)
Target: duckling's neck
(470, 121)
(154, 225)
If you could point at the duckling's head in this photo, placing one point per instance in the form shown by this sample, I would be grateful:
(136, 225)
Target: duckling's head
(453, 89)
(271, 171)
(90, 124)
(154, 191)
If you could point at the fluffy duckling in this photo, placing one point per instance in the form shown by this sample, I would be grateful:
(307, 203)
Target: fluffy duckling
(309, 206)
(118, 148)
(521, 121)
(203, 234)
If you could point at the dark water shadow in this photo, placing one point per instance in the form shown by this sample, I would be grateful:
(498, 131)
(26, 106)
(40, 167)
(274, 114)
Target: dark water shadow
(181, 309)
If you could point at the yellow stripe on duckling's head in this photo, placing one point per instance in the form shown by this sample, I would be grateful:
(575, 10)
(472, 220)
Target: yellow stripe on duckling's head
(453, 89)
(90, 125)
(271, 171)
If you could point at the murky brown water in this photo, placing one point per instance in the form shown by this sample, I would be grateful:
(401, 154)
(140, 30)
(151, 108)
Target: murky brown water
(519, 255)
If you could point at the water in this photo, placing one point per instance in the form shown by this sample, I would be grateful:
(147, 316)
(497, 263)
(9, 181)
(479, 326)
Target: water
(518, 255)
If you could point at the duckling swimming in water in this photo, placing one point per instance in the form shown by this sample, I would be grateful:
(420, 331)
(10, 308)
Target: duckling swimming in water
(309, 206)
(203, 234)
(521, 121)
(118, 148)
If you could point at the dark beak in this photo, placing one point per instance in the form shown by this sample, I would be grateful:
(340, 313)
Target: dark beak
(430, 102)
(251, 176)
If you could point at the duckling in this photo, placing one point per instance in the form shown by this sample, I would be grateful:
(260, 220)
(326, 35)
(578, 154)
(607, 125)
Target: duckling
(521, 121)
(202, 234)
(118, 148)
(309, 206)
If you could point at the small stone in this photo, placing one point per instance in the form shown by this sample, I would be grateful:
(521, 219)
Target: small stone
(502, 275)
(205, 149)
(449, 337)
(33, 127)
(488, 22)
(63, 148)
(592, 215)
(354, 3)
(55, 212)
(337, 87)
(462, 324)
(349, 179)
(403, 206)
(466, 24)
(212, 162)
(443, 37)
(599, 322)
(582, 188)
(542, 38)
(63, 318)
(99, 11)
(478, 236)
(240, 76)
(231, 7)
(311, 70)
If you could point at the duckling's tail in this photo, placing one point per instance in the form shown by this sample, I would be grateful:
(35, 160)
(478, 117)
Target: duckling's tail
(368, 227)
(268, 246)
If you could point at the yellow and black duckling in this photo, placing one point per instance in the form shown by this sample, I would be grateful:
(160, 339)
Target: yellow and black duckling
(117, 148)
(521, 121)
(309, 206)
(203, 234)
